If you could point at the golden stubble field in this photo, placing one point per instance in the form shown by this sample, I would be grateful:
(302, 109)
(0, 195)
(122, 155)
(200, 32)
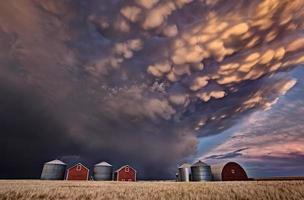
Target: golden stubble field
(31, 190)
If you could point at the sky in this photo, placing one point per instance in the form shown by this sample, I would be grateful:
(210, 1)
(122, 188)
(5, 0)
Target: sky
(152, 84)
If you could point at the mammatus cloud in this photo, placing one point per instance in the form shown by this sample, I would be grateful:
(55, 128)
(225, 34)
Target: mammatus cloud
(142, 80)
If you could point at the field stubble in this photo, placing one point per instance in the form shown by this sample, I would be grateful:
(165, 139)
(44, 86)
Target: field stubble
(31, 190)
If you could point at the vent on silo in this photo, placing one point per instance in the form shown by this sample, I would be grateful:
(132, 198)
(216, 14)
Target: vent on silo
(200, 171)
(53, 170)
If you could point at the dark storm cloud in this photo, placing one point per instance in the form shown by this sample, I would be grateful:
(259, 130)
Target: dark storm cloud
(30, 132)
(138, 81)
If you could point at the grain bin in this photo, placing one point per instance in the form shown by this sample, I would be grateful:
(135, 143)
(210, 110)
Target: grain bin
(200, 171)
(53, 170)
(184, 172)
(103, 172)
(230, 171)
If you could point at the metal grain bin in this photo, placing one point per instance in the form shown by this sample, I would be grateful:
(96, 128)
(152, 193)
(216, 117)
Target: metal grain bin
(103, 172)
(200, 171)
(53, 170)
(184, 172)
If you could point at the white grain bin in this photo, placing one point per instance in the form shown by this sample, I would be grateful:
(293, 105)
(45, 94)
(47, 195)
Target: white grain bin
(184, 172)
(53, 170)
(103, 172)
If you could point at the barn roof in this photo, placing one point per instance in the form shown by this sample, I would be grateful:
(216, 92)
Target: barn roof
(124, 167)
(78, 164)
(56, 162)
(103, 164)
(220, 166)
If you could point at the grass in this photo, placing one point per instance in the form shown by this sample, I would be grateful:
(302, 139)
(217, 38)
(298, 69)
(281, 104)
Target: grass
(31, 190)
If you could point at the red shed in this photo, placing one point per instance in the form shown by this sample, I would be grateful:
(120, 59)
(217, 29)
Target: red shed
(230, 171)
(78, 172)
(125, 173)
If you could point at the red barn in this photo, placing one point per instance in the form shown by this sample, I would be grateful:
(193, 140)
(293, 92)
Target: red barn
(125, 173)
(78, 173)
(230, 171)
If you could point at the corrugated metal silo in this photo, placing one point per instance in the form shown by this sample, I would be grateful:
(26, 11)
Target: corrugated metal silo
(103, 172)
(184, 172)
(200, 171)
(53, 170)
(230, 171)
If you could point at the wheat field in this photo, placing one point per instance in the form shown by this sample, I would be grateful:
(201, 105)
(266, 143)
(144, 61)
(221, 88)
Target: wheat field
(31, 190)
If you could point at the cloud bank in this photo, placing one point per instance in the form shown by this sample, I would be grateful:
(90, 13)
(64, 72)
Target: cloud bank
(139, 81)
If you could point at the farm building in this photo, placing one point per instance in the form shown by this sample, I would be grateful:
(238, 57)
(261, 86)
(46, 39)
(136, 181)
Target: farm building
(53, 170)
(103, 171)
(230, 171)
(78, 172)
(184, 173)
(125, 173)
(201, 171)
